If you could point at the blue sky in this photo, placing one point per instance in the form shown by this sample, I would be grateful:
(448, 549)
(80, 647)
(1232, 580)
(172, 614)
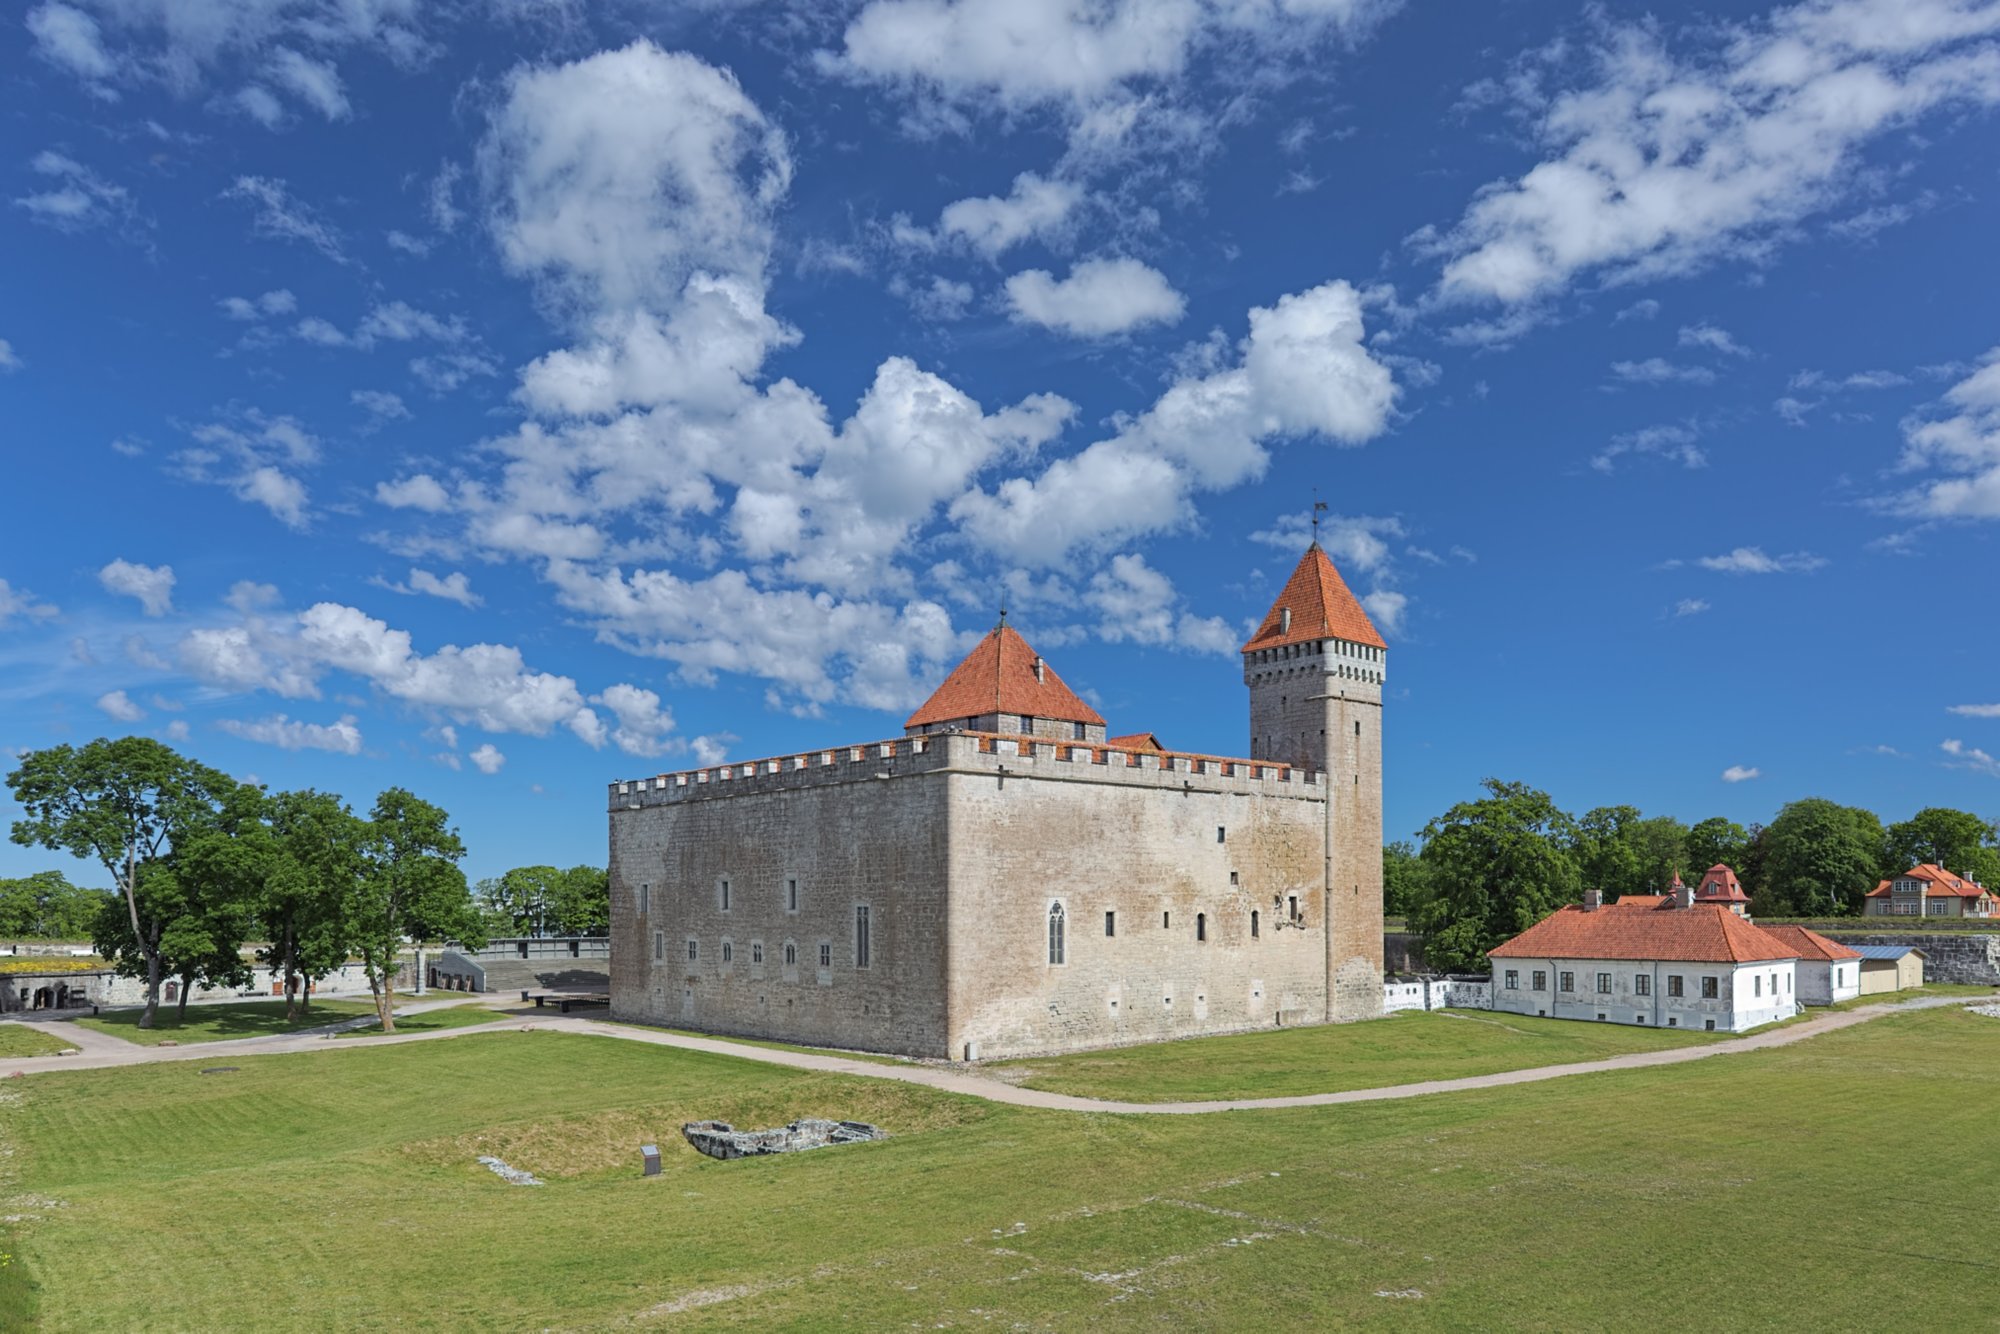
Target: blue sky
(504, 399)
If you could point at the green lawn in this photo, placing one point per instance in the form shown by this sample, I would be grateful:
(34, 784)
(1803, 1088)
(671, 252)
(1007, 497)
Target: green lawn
(431, 1021)
(1404, 1048)
(1558, 1205)
(26, 1040)
(223, 1021)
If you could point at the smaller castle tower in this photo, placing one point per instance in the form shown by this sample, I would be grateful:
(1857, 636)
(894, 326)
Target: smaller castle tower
(1315, 670)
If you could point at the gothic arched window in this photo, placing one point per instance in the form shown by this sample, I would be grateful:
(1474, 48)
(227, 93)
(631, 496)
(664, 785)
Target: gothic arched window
(1055, 933)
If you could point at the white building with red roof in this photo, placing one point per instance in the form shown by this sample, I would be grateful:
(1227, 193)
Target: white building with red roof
(1720, 888)
(1005, 879)
(1672, 963)
(1829, 971)
(1930, 891)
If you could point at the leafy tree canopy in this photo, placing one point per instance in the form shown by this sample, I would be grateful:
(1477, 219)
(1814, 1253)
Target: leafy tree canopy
(1497, 866)
(1956, 840)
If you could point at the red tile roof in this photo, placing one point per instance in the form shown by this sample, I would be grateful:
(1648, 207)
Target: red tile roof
(1941, 882)
(1810, 944)
(1720, 885)
(1701, 934)
(1136, 741)
(1321, 607)
(1641, 900)
(999, 677)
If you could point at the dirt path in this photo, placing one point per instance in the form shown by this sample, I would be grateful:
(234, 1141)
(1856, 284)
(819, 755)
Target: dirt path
(98, 1057)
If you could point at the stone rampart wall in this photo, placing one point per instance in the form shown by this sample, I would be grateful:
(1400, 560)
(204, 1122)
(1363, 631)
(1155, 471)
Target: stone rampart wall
(1967, 956)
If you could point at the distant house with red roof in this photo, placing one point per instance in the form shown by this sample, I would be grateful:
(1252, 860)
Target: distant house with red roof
(1670, 963)
(1930, 891)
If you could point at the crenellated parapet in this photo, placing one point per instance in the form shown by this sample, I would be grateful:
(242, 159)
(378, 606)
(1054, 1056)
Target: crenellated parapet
(998, 754)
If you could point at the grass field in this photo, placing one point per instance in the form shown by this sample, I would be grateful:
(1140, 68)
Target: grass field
(222, 1021)
(1579, 1203)
(24, 1040)
(1404, 1048)
(431, 1021)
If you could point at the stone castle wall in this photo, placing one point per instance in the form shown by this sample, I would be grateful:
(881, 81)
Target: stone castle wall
(1956, 956)
(957, 845)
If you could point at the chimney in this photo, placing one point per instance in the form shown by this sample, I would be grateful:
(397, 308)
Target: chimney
(1284, 620)
(1038, 669)
(1593, 899)
(1683, 896)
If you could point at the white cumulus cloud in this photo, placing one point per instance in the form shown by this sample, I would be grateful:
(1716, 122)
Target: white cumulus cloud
(152, 585)
(1100, 297)
(120, 706)
(1737, 773)
(342, 737)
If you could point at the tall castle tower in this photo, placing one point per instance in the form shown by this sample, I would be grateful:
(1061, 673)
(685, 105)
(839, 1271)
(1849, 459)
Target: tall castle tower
(1315, 669)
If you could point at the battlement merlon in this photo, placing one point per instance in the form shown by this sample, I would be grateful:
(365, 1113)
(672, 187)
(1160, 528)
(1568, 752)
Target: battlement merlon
(1011, 756)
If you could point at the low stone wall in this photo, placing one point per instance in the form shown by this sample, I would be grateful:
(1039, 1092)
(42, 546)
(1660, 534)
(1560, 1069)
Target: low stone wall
(1970, 957)
(67, 989)
(1438, 993)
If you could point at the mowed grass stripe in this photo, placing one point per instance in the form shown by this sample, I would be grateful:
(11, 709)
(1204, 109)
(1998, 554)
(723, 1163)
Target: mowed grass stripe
(1759, 1188)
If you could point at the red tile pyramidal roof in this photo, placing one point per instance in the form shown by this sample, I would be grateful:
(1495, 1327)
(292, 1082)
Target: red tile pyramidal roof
(1720, 885)
(1705, 933)
(1003, 675)
(1321, 607)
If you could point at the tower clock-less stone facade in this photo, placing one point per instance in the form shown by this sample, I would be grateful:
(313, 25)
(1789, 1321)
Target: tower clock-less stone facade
(1004, 880)
(1315, 670)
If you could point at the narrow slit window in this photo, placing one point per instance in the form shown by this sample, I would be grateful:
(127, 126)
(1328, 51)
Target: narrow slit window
(1201, 926)
(1056, 942)
(791, 896)
(1253, 924)
(645, 899)
(862, 943)
(1110, 923)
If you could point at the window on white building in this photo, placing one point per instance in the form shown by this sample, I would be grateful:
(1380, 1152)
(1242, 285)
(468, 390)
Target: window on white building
(1541, 980)
(1673, 984)
(1709, 990)
(1513, 979)
(1569, 981)
(1604, 984)
(1756, 986)
(1642, 985)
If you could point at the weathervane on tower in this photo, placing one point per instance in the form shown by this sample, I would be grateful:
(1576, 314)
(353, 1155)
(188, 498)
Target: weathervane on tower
(1319, 508)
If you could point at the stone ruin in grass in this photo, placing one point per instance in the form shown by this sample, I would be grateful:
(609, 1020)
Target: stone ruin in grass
(719, 1139)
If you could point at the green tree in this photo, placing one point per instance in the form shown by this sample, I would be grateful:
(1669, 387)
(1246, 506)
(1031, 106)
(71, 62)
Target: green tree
(1496, 866)
(583, 902)
(1405, 880)
(126, 804)
(410, 888)
(315, 861)
(1717, 842)
(1606, 855)
(1660, 844)
(1956, 840)
(1819, 858)
(46, 906)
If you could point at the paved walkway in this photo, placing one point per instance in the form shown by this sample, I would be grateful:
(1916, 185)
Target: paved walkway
(97, 1056)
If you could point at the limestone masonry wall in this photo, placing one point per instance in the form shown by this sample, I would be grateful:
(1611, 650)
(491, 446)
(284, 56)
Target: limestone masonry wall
(957, 846)
(1958, 956)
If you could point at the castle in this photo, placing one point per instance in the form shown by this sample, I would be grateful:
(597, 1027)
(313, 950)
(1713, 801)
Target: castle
(1004, 879)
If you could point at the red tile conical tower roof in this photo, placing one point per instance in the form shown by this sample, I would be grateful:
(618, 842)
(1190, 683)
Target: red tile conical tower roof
(1321, 607)
(1003, 675)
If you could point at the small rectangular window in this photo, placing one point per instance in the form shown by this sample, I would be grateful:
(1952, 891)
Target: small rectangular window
(1201, 926)
(1604, 984)
(1221, 834)
(825, 954)
(1642, 985)
(1357, 727)
(861, 942)
(728, 952)
(1513, 979)
(694, 950)
(1708, 990)
(645, 899)
(659, 944)
(723, 896)
(1110, 923)
(791, 896)
(1756, 986)
(1253, 924)
(1166, 921)
(1568, 981)
(1674, 984)
(1233, 880)
(1293, 905)
(1076, 731)
(756, 951)
(1541, 980)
